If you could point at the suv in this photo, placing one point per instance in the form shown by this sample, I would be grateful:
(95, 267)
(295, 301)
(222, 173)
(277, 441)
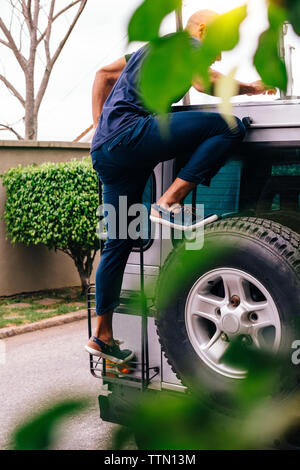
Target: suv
(250, 288)
(244, 282)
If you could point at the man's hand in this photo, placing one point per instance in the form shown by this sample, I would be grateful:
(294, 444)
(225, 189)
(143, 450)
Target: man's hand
(259, 88)
(250, 89)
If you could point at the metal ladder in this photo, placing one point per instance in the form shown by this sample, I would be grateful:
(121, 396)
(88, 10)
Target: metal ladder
(141, 373)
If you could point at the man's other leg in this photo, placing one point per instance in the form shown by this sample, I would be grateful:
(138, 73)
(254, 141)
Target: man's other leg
(114, 257)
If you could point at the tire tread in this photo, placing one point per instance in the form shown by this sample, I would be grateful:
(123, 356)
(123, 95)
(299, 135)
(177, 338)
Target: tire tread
(283, 240)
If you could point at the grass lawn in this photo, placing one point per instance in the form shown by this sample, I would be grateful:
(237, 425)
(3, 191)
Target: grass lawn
(30, 308)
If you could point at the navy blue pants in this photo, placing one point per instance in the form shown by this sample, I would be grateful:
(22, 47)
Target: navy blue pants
(125, 162)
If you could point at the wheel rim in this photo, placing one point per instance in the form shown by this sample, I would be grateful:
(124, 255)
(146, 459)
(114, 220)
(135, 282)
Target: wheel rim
(224, 304)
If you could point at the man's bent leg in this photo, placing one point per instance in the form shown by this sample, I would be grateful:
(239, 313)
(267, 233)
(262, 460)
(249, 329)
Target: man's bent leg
(211, 154)
(203, 139)
(205, 161)
(176, 192)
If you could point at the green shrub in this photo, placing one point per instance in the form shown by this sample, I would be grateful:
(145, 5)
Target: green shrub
(55, 204)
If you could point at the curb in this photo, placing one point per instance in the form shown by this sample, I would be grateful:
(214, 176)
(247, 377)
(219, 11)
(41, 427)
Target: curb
(42, 324)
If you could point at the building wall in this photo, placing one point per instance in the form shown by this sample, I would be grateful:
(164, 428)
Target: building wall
(29, 269)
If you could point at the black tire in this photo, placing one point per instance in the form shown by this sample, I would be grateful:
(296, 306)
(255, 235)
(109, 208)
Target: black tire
(266, 250)
(288, 219)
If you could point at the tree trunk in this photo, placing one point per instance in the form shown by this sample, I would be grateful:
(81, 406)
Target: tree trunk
(30, 118)
(38, 32)
(84, 265)
(85, 282)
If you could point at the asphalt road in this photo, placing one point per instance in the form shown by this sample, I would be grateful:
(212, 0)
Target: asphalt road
(40, 368)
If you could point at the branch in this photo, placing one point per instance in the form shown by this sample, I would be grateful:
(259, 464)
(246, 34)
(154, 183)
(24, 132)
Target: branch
(19, 56)
(26, 9)
(50, 65)
(5, 43)
(36, 12)
(48, 32)
(94, 254)
(71, 27)
(21, 34)
(57, 16)
(66, 251)
(33, 37)
(10, 129)
(11, 14)
(13, 90)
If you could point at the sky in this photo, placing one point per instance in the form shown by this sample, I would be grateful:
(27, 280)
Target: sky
(99, 38)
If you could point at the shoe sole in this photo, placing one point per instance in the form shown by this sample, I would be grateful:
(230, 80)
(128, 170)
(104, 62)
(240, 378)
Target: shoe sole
(183, 228)
(97, 353)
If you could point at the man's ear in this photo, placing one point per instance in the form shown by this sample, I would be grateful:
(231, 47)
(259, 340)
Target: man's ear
(202, 31)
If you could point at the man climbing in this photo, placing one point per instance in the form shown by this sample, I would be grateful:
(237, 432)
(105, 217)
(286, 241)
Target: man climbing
(126, 147)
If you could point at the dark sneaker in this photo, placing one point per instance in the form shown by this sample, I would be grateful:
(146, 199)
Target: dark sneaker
(112, 353)
(180, 217)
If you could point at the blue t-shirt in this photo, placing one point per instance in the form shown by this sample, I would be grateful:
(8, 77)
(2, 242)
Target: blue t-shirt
(123, 107)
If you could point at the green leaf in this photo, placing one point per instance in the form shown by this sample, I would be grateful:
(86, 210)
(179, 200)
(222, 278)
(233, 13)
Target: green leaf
(223, 32)
(167, 72)
(294, 14)
(292, 8)
(145, 22)
(222, 35)
(263, 377)
(267, 61)
(39, 432)
(46, 204)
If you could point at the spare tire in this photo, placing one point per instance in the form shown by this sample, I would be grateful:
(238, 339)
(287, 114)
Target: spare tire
(244, 282)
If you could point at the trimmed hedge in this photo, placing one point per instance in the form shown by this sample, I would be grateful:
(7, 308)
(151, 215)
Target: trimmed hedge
(55, 204)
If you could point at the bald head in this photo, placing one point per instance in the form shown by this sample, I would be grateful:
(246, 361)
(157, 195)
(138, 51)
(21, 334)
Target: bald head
(197, 23)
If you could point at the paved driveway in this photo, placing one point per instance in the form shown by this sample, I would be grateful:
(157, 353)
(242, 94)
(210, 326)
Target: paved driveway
(39, 368)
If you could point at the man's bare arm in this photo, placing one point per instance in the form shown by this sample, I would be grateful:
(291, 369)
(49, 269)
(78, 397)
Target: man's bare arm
(104, 82)
(255, 88)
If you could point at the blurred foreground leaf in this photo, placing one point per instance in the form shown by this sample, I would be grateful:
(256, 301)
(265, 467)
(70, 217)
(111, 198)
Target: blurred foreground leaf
(38, 433)
(263, 372)
(145, 22)
(167, 72)
(292, 12)
(166, 422)
(222, 35)
(172, 63)
(267, 61)
(225, 88)
(258, 415)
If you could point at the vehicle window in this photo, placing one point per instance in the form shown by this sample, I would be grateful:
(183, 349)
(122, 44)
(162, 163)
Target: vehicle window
(276, 203)
(285, 187)
(222, 196)
(278, 189)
